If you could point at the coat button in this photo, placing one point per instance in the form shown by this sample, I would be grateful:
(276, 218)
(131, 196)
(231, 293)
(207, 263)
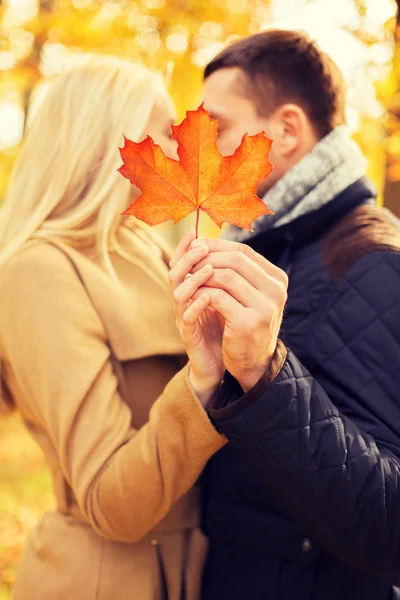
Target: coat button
(306, 544)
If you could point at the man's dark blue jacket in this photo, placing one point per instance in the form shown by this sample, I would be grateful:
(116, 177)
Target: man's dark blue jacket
(304, 502)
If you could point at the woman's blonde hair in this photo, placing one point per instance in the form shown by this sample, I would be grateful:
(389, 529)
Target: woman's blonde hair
(65, 182)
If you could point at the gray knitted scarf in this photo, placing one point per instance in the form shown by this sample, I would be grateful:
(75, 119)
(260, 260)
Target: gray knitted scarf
(334, 164)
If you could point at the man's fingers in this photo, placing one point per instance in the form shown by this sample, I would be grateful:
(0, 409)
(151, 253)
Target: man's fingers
(182, 247)
(185, 264)
(227, 306)
(238, 287)
(240, 263)
(218, 245)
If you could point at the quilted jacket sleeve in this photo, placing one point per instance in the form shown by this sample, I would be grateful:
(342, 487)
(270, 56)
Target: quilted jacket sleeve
(328, 450)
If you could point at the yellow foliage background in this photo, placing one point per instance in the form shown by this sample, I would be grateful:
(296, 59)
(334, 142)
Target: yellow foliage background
(40, 38)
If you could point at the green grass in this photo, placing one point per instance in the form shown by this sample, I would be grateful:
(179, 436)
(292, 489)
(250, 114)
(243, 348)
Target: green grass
(25, 493)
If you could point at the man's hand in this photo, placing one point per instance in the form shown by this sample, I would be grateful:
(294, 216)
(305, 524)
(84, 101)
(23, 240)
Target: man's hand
(250, 295)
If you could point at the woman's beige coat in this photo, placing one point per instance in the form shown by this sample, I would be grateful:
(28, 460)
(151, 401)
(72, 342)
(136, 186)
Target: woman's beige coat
(96, 371)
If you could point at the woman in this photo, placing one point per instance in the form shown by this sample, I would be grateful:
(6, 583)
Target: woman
(90, 353)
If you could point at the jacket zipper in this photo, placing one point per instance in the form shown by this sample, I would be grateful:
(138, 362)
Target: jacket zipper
(163, 573)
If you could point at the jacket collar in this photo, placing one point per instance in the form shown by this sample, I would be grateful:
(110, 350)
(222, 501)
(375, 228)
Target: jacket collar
(312, 226)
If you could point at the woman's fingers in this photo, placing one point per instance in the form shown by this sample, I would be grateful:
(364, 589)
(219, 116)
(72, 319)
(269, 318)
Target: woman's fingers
(185, 264)
(184, 292)
(191, 316)
(182, 247)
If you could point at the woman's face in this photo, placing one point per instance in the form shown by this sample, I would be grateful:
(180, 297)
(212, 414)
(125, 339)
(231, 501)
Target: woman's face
(159, 127)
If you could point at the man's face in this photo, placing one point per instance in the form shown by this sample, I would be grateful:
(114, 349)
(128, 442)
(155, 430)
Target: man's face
(225, 100)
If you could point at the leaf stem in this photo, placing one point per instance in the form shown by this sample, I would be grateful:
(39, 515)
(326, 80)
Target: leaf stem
(197, 222)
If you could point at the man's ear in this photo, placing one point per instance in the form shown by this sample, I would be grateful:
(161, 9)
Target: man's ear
(293, 125)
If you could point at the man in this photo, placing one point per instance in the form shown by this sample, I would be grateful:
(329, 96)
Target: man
(304, 502)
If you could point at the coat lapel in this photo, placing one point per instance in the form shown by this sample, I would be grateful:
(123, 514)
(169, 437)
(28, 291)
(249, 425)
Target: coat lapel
(137, 314)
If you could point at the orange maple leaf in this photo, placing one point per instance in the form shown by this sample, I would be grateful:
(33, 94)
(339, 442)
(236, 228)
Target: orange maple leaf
(222, 186)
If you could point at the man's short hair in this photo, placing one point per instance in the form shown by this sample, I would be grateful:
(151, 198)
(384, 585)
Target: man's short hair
(282, 66)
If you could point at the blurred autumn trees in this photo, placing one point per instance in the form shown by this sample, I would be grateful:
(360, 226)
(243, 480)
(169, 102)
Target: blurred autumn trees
(178, 37)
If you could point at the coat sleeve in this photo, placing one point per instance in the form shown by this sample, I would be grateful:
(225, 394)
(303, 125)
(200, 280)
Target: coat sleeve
(328, 449)
(125, 481)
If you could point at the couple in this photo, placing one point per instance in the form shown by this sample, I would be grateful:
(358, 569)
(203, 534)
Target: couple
(279, 440)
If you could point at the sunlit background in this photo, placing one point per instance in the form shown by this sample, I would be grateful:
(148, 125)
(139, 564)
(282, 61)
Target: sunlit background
(40, 38)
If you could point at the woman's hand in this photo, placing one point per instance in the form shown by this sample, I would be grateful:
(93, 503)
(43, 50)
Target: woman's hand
(199, 325)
